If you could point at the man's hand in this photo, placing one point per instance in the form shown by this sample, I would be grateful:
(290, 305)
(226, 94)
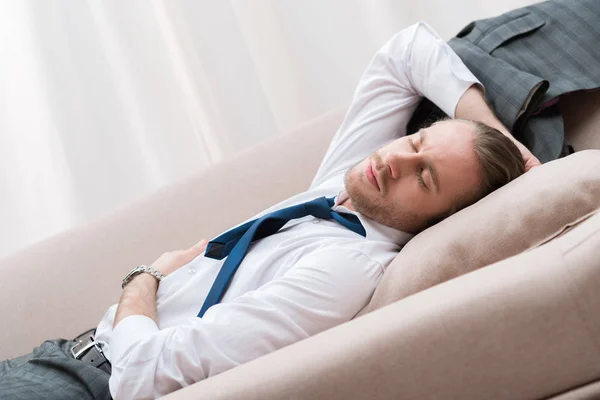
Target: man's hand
(169, 262)
(139, 296)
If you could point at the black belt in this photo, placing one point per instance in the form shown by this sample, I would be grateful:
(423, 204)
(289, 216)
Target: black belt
(88, 350)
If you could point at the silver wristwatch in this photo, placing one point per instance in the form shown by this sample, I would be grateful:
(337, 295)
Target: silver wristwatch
(138, 270)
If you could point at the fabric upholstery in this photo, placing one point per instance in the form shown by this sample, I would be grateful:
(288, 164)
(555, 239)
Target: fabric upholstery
(62, 286)
(67, 282)
(526, 327)
(590, 391)
(528, 211)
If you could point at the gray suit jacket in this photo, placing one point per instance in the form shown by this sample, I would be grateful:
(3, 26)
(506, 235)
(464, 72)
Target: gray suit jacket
(526, 58)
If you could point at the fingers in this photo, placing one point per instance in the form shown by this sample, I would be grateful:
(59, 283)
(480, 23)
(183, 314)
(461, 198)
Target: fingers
(185, 256)
(201, 245)
(194, 250)
(532, 163)
(171, 261)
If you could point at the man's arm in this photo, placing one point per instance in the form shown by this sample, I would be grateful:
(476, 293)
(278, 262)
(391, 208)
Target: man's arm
(415, 63)
(324, 289)
(138, 298)
(473, 106)
(139, 295)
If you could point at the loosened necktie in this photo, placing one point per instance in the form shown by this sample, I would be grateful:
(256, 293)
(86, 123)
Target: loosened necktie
(234, 243)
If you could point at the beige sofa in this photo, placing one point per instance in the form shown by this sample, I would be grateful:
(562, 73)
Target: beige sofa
(529, 334)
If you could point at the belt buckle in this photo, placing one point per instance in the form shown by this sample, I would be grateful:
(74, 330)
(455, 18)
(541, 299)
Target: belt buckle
(82, 346)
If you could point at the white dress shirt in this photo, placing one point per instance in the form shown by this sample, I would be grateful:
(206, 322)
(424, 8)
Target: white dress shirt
(311, 275)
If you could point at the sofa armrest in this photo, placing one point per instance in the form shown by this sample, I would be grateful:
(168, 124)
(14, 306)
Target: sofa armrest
(526, 327)
(62, 286)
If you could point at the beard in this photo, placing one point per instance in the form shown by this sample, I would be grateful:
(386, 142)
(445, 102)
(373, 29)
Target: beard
(373, 206)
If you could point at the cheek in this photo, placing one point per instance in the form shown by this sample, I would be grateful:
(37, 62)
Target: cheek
(410, 197)
(408, 190)
(357, 175)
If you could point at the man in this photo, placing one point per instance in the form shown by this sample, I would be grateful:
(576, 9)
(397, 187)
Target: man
(305, 272)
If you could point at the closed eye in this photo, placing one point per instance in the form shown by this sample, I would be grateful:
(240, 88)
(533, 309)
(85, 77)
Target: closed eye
(420, 170)
(412, 145)
(420, 178)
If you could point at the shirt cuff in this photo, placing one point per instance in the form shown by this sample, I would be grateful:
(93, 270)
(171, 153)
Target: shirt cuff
(456, 89)
(444, 77)
(130, 330)
(451, 80)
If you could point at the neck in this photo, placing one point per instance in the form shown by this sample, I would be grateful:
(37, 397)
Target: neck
(348, 204)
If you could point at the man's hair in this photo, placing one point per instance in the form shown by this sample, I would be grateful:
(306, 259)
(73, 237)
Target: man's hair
(500, 162)
(499, 159)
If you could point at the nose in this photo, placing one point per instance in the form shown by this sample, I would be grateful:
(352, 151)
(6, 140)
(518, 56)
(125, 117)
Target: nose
(401, 162)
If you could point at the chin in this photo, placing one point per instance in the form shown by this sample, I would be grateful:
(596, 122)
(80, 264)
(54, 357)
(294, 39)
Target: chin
(369, 205)
(362, 201)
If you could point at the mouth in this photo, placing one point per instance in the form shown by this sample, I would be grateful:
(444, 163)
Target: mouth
(371, 175)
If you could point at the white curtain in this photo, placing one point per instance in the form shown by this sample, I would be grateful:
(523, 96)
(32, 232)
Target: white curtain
(104, 101)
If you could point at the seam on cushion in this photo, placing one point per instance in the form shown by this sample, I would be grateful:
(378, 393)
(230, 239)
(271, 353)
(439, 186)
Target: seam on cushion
(564, 229)
(583, 240)
(590, 166)
(577, 390)
(574, 287)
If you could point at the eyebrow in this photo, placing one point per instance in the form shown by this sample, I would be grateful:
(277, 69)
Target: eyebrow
(430, 167)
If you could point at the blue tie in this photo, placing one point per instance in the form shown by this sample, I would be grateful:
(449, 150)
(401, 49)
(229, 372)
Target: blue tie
(234, 243)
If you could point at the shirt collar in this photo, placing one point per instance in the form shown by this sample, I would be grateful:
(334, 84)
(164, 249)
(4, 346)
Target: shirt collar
(374, 229)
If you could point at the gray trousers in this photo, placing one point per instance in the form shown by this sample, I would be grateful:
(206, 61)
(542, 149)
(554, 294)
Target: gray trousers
(51, 373)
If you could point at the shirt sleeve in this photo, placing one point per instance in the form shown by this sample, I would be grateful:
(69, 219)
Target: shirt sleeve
(322, 290)
(414, 63)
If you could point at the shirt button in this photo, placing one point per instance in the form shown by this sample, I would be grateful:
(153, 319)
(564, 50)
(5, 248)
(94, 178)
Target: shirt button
(192, 270)
(316, 221)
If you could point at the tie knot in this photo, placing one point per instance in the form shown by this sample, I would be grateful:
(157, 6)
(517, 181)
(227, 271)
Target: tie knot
(319, 208)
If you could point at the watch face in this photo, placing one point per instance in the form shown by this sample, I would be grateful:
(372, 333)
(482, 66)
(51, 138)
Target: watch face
(130, 275)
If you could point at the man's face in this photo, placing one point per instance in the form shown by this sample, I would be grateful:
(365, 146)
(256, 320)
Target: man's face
(417, 177)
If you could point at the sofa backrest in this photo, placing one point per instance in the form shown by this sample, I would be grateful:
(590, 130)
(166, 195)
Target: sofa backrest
(69, 280)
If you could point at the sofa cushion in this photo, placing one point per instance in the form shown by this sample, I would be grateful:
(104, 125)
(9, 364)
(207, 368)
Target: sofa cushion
(526, 327)
(521, 215)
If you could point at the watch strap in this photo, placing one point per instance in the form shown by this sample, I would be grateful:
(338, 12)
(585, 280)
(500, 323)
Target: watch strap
(139, 270)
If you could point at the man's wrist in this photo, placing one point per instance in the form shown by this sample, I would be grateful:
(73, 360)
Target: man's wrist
(143, 282)
(473, 106)
(138, 298)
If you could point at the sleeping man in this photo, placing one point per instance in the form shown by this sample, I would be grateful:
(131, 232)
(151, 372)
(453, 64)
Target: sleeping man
(306, 264)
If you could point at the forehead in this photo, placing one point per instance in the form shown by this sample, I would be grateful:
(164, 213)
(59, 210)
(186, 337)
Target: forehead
(449, 146)
(457, 134)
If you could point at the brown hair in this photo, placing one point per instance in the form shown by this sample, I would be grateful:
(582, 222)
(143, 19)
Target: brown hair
(499, 159)
(500, 162)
